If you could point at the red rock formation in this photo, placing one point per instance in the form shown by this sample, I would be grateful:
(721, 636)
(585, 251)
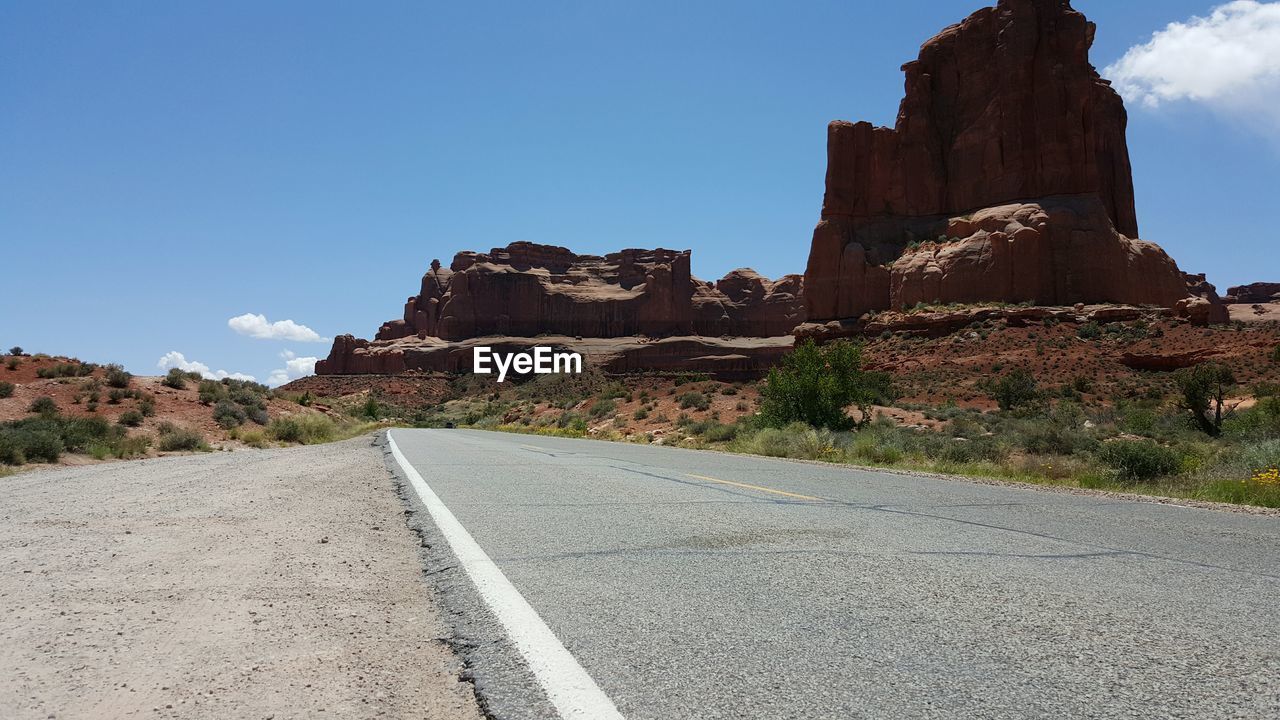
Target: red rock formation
(1002, 107)
(1203, 306)
(1254, 293)
(1046, 253)
(527, 290)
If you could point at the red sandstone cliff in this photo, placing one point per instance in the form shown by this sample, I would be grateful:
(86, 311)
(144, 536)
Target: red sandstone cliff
(1006, 178)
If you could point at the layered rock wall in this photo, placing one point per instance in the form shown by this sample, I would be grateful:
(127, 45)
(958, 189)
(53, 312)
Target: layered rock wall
(528, 290)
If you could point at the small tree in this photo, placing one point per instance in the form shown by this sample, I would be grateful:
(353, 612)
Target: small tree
(817, 384)
(1204, 393)
(16, 350)
(1014, 389)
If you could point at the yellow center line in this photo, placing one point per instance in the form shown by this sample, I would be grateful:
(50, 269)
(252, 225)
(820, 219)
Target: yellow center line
(756, 487)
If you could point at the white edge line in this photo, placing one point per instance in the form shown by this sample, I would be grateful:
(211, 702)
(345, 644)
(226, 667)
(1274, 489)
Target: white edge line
(568, 686)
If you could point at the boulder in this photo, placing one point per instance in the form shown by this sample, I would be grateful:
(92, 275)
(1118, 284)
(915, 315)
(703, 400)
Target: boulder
(1057, 251)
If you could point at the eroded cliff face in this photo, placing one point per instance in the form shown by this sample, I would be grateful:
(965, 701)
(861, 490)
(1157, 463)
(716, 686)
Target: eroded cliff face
(1006, 178)
(528, 290)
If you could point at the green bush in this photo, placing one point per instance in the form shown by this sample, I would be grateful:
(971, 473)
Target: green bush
(174, 438)
(130, 418)
(6, 389)
(602, 407)
(1015, 389)
(693, 401)
(147, 406)
(43, 405)
(228, 414)
(117, 377)
(305, 429)
(61, 370)
(211, 391)
(177, 378)
(1261, 456)
(43, 446)
(1089, 331)
(816, 385)
(1275, 354)
(1139, 460)
(641, 413)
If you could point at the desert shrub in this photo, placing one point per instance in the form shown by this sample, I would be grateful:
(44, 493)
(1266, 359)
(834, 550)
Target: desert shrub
(44, 405)
(1205, 388)
(603, 406)
(1260, 422)
(177, 379)
(1275, 354)
(816, 385)
(132, 446)
(43, 446)
(228, 414)
(61, 370)
(371, 409)
(211, 391)
(254, 438)
(1059, 433)
(1260, 456)
(1089, 331)
(795, 440)
(117, 377)
(1138, 460)
(130, 418)
(306, 399)
(174, 438)
(720, 432)
(304, 429)
(12, 363)
(115, 395)
(693, 400)
(6, 389)
(640, 414)
(147, 406)
(1014, 389)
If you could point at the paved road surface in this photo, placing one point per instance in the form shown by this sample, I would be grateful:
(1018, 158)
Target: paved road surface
(702, 585)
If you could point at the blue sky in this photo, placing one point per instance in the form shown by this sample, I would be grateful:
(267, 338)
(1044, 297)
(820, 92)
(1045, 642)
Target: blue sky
(165, 167)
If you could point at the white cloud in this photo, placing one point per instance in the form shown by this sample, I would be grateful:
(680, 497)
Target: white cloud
(257, 326)
(1228, 61)
(294, 368)
(175, 359)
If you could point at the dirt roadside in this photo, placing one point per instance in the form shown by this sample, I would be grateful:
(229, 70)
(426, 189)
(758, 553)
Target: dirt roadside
(253, 584)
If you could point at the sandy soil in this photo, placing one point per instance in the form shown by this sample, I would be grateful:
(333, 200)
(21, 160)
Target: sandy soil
(246, 584)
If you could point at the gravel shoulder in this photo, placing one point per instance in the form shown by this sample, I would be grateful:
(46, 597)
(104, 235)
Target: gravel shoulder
(259, 583)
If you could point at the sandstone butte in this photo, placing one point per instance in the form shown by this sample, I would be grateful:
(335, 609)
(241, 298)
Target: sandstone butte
(630, 310)
(1005, 179)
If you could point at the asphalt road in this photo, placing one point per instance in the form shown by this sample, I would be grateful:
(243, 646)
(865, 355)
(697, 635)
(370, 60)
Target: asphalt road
(703, 585)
